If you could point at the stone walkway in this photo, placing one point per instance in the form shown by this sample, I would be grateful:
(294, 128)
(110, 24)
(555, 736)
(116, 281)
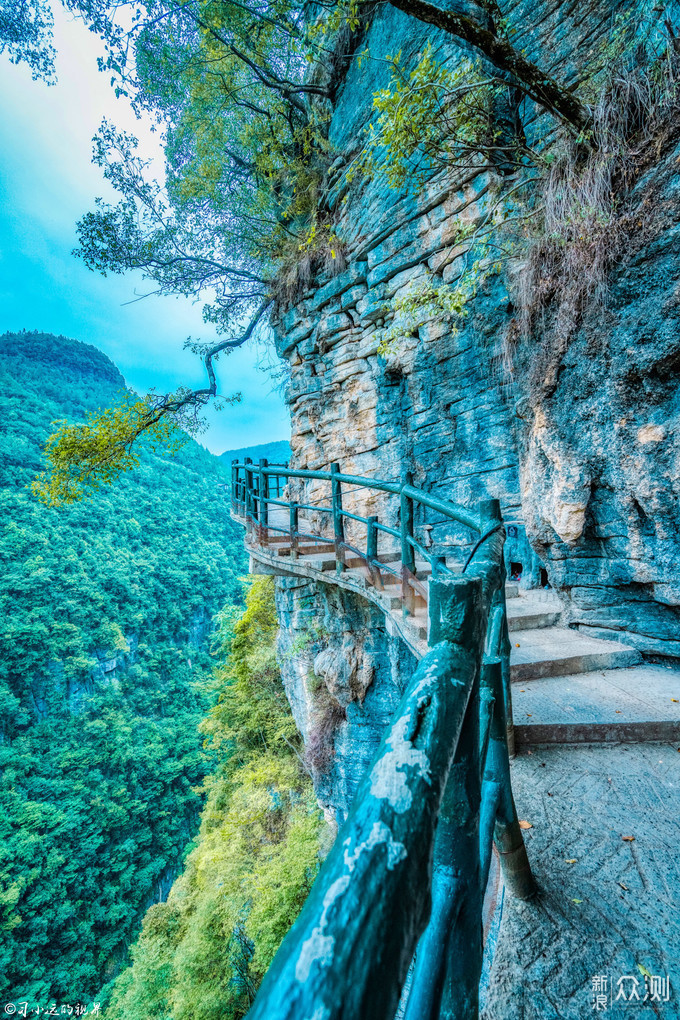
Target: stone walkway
(640, 703)
(608, 907)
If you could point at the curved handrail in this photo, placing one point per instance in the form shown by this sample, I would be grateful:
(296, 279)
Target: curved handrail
(444, 506)
(253, 497)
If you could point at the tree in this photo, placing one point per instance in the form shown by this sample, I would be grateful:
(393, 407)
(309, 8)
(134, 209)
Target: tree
(98, 769)
(203, 953)
(482, 30)
(243, 91)
(25, 34)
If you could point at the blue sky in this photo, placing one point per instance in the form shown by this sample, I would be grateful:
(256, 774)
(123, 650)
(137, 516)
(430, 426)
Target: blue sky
(46, 183)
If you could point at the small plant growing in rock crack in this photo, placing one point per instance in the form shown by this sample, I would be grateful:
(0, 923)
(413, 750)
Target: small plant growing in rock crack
(328, 715)
(303, 642)
(426, 300)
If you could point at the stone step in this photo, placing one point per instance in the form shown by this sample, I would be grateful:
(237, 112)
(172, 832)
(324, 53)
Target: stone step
(422, 568)
(533, 610)
(640, 703)
(312, 550)
(558, 651)
(322, 562)
(418, 624)
(533, 621)
(319, 559)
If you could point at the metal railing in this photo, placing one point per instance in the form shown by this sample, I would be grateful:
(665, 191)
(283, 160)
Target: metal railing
(404, 883)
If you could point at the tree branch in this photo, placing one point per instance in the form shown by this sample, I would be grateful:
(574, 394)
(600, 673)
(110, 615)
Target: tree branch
(197, 398)
(536, 83)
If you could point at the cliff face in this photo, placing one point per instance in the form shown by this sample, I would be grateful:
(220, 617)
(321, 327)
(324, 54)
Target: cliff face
(585, 464)
(344, 676)
(599, 455)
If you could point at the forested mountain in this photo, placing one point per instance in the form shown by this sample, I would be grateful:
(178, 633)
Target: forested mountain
(105, 616)
(202, 954)
(277, 452)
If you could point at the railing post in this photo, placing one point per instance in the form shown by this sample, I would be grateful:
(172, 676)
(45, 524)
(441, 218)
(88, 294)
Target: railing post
(408, 555)
(338, 521)
(371, 538)
(491, 689)
(491, 513)
(457, 849)
(492, 567)
(372, 550)
(234, 486)
(449, 955)
(263, 493)
(251, 513)
(437, 562)
(507, 833)
(294, 526)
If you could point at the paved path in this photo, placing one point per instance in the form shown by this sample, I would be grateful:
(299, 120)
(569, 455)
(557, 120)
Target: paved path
(581, 801)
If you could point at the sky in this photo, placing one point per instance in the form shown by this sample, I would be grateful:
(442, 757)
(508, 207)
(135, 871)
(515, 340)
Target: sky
(47, 182)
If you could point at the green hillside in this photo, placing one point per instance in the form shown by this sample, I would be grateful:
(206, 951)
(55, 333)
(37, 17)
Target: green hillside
(105, 615)
(202, 953)
(276, 453)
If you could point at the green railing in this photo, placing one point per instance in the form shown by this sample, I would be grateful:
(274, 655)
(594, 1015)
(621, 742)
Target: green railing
(258, 489)
(404, 883)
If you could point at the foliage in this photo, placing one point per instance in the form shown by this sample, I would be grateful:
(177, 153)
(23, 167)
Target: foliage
(82, 458)
(239, 92)
(26, 32)
(436, 116)
(560, 216)
(425, 299)
(202, 954)
(100, 765)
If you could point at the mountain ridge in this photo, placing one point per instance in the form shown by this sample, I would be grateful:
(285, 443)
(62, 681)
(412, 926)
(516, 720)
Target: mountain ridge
(276, 452)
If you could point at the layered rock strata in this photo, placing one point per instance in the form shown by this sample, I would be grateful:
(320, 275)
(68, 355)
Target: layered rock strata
(586, 468)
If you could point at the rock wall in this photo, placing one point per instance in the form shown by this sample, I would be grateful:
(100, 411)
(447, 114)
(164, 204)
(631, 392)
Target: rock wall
(590, 469)
(344, 677)
(600, 455)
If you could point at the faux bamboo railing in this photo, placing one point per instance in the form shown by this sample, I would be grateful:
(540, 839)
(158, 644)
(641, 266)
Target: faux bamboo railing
(409, 868)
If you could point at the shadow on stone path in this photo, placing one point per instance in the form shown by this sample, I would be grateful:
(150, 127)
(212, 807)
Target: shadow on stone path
(581, 801)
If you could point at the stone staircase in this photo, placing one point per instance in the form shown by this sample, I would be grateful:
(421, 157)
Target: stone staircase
(567, 687)
(571, 688)
(595, 779)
